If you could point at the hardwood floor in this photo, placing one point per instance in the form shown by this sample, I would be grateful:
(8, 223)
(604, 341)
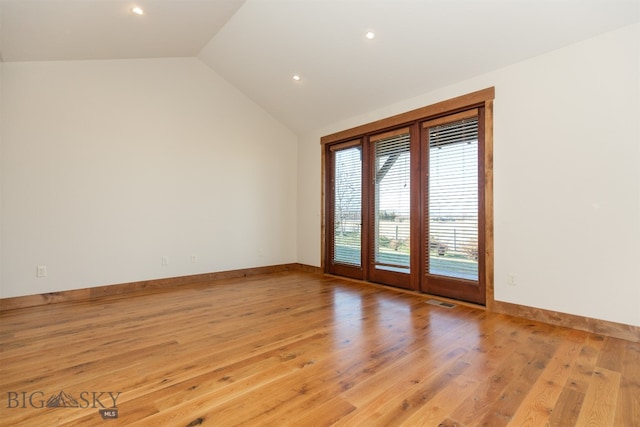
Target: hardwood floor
(300, 349)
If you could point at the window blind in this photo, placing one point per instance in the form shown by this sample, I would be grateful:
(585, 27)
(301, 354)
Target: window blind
(347, 196)
(392, 188)
(452, 192)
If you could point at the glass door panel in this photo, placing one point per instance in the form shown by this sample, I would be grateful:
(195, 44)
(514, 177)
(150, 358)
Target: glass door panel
(344, 214)
(451, 209)
(391, 208)
(347, 206)
(453, 200)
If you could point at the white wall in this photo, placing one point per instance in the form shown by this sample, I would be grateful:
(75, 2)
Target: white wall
(567, 177)
(109, 165)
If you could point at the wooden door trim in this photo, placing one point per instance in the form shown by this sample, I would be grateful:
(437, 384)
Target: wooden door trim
(447, 107)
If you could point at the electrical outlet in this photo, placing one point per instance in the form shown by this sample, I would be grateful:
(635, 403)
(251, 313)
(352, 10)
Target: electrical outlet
(165, 260)
(41, 271)
(512, 279)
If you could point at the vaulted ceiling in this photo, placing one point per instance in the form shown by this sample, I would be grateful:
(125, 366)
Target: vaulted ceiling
(258, 45)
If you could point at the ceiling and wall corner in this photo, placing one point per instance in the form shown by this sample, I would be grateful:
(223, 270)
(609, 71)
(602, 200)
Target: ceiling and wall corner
(257, 45)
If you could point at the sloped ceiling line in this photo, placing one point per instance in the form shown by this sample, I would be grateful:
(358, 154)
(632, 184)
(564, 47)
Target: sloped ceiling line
(257, 45)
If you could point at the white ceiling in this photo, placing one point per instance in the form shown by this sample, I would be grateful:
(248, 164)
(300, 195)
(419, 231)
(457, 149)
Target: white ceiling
(257, 45)
(46, 30)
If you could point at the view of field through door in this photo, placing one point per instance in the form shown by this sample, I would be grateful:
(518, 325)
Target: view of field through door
(390, 208)
(451, 207)
(345, 209)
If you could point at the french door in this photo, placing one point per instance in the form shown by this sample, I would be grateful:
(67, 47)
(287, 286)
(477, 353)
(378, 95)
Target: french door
(405, 206)
(344, 200)
(390, 207)
(452, 201)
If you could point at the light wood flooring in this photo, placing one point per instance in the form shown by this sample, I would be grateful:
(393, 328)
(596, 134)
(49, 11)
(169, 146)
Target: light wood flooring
(301, 349)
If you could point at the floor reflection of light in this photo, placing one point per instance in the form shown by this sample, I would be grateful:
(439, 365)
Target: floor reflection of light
(395, 316)
(447, 326)
(348, 338)
(368, 325)
(347, 317)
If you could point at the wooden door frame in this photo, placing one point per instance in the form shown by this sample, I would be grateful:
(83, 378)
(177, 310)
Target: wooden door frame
(407, 281)
(447, 286)
(352, 271)
(482, 98)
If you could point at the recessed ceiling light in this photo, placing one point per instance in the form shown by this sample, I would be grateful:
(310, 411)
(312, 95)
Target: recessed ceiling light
(137, 10)
(370, 35)
(296, 77)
